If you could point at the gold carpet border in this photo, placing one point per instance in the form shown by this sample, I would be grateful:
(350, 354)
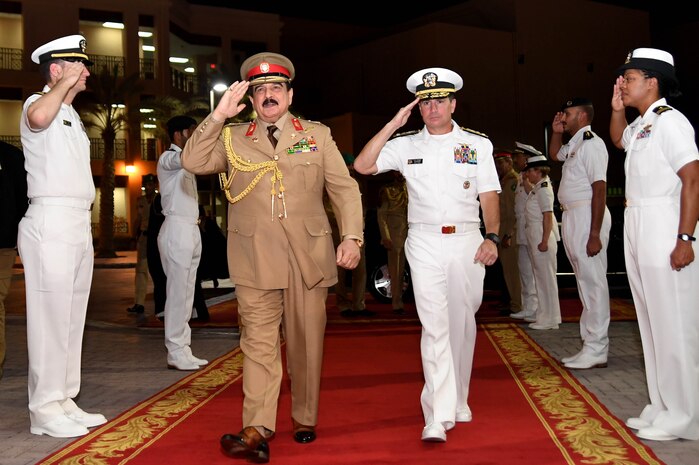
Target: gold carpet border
(575, 420)
(123, 438)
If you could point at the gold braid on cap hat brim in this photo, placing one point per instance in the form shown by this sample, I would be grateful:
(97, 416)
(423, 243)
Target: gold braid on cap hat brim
(238, 164)
(433, 93)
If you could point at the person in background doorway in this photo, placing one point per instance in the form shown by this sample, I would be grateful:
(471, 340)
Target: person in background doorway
(140, 231)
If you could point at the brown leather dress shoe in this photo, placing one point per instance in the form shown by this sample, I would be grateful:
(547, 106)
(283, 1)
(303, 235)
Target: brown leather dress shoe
(303, 433)
(249, 444)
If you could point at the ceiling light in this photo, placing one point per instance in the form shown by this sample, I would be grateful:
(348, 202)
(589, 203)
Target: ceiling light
(149, 126)
(112, 25)
(146, 110)
(145, 34)
(148, 48)
(220, 87)
(189, 69)
(118, 105)
(178, 60)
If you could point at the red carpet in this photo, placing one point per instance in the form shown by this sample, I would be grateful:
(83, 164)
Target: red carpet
(225, 314)
(526, 410)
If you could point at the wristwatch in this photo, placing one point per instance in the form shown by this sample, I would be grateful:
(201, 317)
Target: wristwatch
(493, 237)
(686, 237)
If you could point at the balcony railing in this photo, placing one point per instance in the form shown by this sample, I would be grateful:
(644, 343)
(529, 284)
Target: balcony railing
(148, 150)
(11, 58)
(97, 149)
(147, 68)
(183, 81)
(100, 61)
(12, 140)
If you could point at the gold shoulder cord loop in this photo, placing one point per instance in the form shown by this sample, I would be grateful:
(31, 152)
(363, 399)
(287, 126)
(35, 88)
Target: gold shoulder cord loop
(238, 164)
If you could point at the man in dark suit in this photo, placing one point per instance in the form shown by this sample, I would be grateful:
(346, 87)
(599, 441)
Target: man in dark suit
(13, 204)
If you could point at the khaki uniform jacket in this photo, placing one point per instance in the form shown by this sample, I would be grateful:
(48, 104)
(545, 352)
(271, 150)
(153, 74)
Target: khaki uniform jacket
(507, 205)
(260, 238)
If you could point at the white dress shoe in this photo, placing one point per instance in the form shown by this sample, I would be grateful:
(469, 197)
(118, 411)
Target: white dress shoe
(654, 434)
(530, 319)
(464, 415)
(434, 432)
(637, 423)
(199, 361)
(88, 420)
(181, 362)
(586, 361)
(571, 358)
(522, 314)
(60, 427)
(543, 326)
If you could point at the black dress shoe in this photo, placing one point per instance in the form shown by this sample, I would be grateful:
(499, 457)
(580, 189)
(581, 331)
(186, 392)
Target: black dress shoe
(248, 444)
(303, 434)
(135, 309)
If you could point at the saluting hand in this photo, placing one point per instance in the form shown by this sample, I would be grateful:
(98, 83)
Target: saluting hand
(72, 72)
(403, 114)
(230, 105)
(557, 125)
(617, 102)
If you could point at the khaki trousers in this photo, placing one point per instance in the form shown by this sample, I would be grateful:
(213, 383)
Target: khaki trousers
(301, 312)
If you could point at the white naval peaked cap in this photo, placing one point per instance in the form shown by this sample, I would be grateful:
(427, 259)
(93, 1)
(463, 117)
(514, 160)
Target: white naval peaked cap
(651, 59)
(528, 149)
(69, 48)
(536, 161)
(434, 83)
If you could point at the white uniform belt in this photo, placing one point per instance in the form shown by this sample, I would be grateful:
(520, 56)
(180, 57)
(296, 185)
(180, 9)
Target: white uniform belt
(456, 228)
(70, 202)
(652, 201)
(183, 219)
(571, 205)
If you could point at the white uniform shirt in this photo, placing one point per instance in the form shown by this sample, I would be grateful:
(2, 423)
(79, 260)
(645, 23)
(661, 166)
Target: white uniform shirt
(57, 158)
(657, 146)
(178, 187)
(539, 201)
(585, 161)
(444, 173)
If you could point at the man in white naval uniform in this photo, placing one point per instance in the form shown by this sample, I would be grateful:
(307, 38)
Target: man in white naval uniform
(447, 171)
(530, 302)
(55, 239)
(179, 242)
(586, 223)
(660, 227)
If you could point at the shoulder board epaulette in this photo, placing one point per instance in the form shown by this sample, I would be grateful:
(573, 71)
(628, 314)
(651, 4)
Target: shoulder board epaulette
(406, 133)
(237, 124)
(313, 122)
(545, 184)
(475, 132)
(588, 135)
(39, 93)
(661, 109)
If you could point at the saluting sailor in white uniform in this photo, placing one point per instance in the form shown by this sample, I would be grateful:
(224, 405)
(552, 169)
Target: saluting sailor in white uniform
(585, 225)
(179, 242)
(660, 227)
(55, 239)
(542, 238)
(447, 171)
(530, 302)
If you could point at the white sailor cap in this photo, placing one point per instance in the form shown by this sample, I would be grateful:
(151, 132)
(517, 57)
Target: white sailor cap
(651, 59)
(527, 149)
(68, 48)
(434, 83)
(536, 161)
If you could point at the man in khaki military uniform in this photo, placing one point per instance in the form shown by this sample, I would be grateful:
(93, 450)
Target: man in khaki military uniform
(507, 252)
(392, 216)
(280, 249)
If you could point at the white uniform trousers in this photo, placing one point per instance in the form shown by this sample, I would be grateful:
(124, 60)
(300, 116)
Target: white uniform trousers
(55, 244)
(530, 301)
(179, 243)
(590, 276)
(544, 266)
(448, 289)
(667, 309)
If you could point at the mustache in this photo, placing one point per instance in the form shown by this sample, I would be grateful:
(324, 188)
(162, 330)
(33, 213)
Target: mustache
(270, 101)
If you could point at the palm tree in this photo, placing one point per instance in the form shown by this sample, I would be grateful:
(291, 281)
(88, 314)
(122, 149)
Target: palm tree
(100, 108)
